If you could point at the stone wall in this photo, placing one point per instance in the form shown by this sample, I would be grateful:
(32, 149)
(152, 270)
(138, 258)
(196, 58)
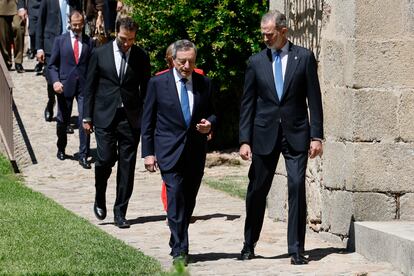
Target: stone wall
(366, 70)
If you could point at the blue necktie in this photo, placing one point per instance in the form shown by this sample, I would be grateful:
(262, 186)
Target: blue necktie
(63, 6)
(185, 104)
(278, 74)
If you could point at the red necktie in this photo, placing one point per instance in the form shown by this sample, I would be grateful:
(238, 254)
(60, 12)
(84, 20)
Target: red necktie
(76, 49)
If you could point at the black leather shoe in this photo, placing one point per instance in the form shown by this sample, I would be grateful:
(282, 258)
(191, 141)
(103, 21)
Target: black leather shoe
(100, 213)
(60, 155)
(19, 68)
(69, 129)
(30, 54)
(247, 253)
(121, 222)
(182, 258)
(38, 67)
(83, 161)
(48, 115)
(298, 259)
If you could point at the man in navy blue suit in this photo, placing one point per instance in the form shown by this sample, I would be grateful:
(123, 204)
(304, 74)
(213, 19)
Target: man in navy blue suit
(178, 116)
(67, 74)
(51, 22)
(281, 113)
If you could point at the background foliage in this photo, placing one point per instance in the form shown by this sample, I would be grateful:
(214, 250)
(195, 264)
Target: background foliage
(226, 33)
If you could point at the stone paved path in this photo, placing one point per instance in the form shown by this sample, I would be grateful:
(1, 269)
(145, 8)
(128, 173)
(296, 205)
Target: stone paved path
(216, 236)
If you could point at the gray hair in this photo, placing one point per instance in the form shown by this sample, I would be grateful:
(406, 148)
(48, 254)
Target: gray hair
(275, 16)
(183, 45)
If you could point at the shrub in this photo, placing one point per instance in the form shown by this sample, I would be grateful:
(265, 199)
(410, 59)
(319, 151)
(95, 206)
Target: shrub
(226, 33)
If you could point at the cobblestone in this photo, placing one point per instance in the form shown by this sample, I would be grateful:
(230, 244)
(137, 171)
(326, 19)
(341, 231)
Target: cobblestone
(216, 237)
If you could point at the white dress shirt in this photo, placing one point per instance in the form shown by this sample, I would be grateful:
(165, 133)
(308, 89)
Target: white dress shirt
(118, 57)
(72, 38)
(188, 85)
(283, 57)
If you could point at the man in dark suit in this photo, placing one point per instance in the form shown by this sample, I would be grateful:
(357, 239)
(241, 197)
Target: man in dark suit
(117, 80)
(67, 70)
(178, 116)
(52, 21)
(281, 88)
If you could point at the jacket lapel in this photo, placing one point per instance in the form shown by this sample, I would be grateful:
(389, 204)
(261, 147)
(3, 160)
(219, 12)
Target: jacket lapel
(68, 43)
(111, 60)
(196, 94)
(268, 73)
(293, 61)
(172, 90)
(85, 47)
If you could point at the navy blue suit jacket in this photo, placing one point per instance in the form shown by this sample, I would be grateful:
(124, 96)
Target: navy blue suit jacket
(49, 24)
(164, 131)
(299, 111)
(62, 66)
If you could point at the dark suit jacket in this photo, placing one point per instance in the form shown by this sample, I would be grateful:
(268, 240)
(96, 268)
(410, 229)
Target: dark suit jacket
(261, 112)
(62, 66)
(164, 132)
(103, 86)
(49, 23)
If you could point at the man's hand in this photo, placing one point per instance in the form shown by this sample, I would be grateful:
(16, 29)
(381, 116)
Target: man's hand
(40, 56)
(315, 149)
(203, 126)
(58, 87)
(87, 127)
(245, 152)
(150, 163)
(22, 13)
(119, 6)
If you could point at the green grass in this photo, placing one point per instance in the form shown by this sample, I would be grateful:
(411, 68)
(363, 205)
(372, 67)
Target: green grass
(233, 185)
(39, 237)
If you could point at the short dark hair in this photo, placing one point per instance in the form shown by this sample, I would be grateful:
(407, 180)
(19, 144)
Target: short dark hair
(183, 45)
(126, 23)
(73, 12)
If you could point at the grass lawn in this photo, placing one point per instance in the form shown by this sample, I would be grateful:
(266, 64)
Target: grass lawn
(38, 237)
(234, 185)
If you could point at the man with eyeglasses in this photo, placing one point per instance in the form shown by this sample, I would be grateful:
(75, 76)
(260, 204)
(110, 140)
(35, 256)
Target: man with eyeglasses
(178, 116)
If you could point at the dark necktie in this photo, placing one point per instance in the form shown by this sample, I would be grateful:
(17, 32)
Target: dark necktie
(278, 74)
(76, 49)
(185, 104)
(122, 69)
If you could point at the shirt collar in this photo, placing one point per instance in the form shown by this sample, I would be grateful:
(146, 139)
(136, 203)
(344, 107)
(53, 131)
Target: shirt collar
(116, 48)
(178, 77)
(283, 50)
(72, 35)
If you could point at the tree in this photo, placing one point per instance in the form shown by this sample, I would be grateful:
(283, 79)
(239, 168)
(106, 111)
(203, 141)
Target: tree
(226, 33)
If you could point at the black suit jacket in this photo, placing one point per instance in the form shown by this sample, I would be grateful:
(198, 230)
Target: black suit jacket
(103, 86)
(164, 132)
(262, 113)
(49, 23)
(62, 65)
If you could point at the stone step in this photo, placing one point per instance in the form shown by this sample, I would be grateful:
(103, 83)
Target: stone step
(389, 241)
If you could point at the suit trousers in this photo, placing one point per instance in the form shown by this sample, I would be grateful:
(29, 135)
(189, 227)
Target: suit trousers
(182, 183)
(261, 175)
(50, 91)
(19, 28)
(6, 38)
(118, 142)
(63, 120)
